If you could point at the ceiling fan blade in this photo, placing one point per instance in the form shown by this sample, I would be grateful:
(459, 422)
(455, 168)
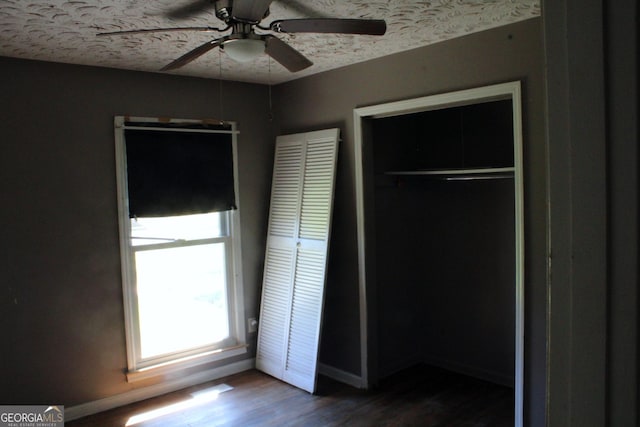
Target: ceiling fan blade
(290, 58)
(190, 9)
(191, 55)
(376, 27)
(162, 30)
(250, 10)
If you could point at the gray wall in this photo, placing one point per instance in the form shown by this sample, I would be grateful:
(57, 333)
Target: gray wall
(61, 301)
(509, 53)
(591, 50)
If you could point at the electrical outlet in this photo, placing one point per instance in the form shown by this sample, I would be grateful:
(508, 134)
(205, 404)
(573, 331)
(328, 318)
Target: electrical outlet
(252, 325)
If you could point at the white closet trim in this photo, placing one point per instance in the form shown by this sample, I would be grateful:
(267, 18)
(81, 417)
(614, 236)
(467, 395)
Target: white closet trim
(509, 90)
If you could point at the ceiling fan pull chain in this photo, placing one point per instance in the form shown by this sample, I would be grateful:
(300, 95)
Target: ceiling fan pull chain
(220, 86)
(270, 116)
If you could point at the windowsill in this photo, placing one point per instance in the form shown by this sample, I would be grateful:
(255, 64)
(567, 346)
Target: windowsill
(184, 363)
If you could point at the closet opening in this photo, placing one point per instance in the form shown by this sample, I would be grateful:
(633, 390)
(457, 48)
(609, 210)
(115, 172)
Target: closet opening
(440, 236)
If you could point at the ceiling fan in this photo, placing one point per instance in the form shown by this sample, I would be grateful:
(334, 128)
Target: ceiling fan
(243, 44)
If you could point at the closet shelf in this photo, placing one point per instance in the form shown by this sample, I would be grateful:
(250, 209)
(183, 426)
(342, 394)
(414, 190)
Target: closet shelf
(460, 174)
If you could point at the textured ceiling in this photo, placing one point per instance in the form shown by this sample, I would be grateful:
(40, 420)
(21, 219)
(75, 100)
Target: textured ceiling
(65, 31)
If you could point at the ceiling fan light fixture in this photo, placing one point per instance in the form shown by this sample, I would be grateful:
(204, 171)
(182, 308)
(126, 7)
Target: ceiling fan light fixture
(244, 50)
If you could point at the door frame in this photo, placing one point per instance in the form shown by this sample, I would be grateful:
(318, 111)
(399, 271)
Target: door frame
(367, 303)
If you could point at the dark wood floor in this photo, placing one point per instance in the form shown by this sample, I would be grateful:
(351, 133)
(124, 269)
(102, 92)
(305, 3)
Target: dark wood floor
(420, 396)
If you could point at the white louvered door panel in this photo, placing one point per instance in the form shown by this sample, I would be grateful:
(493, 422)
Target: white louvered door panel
(280, 256)
(285, 193)
(273, 319)
(317, 190)
(296, 256)
(306, 311)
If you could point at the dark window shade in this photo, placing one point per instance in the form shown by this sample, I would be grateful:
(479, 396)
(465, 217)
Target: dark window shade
(178, 173)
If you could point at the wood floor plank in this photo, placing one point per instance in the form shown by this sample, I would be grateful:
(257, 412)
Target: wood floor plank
(419, 396)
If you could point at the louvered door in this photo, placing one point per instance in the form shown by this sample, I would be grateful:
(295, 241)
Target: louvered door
(296, 256)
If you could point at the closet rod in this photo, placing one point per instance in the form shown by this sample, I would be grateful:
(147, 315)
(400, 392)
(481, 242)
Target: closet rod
(477, 177)
(462, 172)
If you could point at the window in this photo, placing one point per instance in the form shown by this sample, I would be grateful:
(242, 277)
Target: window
(179, 233)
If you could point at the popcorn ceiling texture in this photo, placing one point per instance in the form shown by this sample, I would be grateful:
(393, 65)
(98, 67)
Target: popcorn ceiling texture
(65, 31)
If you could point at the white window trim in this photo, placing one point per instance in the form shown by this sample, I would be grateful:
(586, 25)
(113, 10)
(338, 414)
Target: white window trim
(137, 368)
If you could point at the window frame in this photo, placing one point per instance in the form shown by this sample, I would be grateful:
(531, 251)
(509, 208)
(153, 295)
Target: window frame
(139, 368)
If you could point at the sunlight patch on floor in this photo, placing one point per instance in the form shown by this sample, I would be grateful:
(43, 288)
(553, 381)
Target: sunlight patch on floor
(197, 398)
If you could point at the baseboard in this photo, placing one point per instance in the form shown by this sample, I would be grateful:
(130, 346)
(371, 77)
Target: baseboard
(472, 371)
(136, 395)
(340, 375)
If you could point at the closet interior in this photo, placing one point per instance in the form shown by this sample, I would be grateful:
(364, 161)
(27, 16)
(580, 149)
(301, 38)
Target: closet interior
(445, 239)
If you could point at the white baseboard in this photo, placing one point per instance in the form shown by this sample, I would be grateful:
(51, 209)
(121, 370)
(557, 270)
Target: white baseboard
(340, 375)
(136, 395)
